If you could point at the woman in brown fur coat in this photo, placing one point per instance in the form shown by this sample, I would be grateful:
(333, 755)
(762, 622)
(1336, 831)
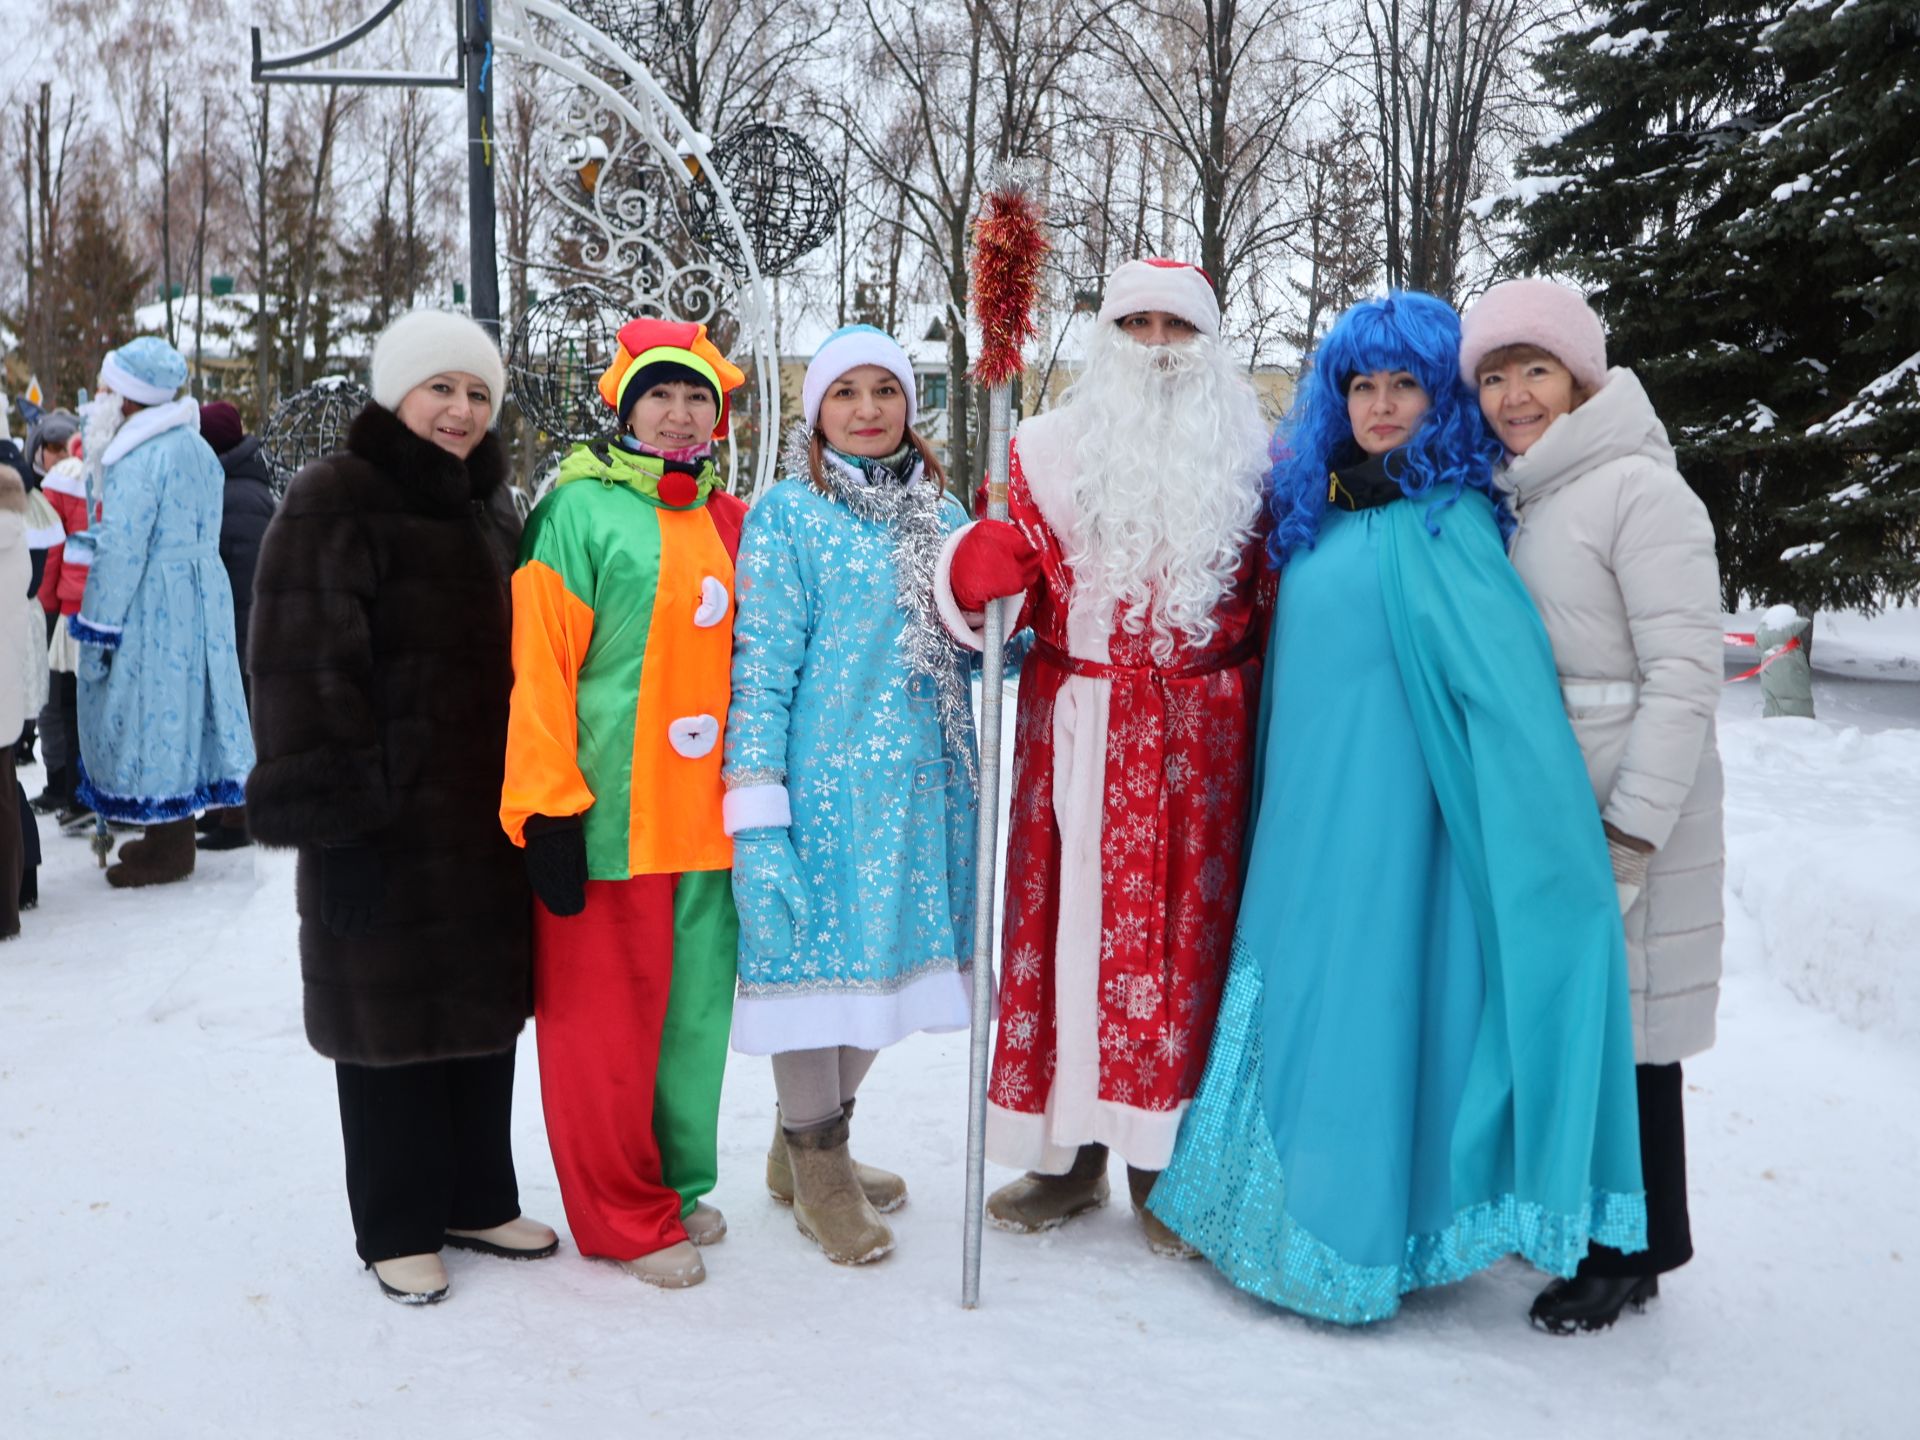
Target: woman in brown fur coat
(381, 673)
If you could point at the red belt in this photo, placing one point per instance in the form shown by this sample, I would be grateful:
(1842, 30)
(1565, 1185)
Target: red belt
(1238, 653)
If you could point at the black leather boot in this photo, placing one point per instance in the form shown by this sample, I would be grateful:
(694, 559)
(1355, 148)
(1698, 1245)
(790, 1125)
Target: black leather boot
(1590, 1302)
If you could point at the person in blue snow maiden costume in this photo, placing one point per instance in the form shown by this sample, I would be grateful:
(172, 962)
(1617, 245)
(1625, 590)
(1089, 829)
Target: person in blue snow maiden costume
(163, 720)
(1424, 1057)
(850, 772)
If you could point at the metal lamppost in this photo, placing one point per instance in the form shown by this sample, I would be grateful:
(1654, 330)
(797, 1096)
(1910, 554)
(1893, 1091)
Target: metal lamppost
(473, 73)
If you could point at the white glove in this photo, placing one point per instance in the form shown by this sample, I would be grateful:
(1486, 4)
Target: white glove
(1629, 869)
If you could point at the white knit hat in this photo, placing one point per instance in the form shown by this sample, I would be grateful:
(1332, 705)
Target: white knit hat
(1170, 285)
(1540, 313)
(425, 343)
(848, 348)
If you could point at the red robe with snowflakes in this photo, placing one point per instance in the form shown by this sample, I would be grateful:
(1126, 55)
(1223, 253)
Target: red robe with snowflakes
(1129, 802)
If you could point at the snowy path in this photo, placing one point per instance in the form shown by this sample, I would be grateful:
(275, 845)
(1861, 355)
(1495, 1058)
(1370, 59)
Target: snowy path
(176, 1260)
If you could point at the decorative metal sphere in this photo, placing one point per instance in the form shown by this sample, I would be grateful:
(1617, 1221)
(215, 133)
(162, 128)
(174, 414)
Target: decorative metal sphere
(787, 199)
(642, 27)
(560, 347)
(310, 423)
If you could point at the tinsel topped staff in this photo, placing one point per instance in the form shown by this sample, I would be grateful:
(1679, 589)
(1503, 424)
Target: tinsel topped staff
(1009, 242)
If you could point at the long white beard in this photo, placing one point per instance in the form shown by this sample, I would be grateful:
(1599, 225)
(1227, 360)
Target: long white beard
(100, 421)
(1170, 464)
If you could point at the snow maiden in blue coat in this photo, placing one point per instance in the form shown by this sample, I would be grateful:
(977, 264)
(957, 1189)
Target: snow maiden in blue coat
(163, 720)
(850, 771)
(1424, 1057)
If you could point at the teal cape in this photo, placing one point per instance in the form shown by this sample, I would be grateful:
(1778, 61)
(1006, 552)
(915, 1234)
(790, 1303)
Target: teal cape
(1424, 1056)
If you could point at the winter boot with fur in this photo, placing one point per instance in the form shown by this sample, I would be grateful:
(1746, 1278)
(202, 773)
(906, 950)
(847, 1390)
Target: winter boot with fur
(705, 1225)
(675, 1268)
(1037, 1202)
(829, 1207)
(408, 1279)
(518, 1239)
(161, 856)
(1160, 1239)
(885, 1191)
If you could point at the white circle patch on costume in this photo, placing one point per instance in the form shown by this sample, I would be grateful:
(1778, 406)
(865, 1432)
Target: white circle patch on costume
(714, 603)
(693, 735)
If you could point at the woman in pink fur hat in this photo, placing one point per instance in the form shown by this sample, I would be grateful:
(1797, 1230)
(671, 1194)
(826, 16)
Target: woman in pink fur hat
(1618, 553)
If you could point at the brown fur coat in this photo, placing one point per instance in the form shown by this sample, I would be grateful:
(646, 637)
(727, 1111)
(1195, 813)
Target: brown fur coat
(381, 664)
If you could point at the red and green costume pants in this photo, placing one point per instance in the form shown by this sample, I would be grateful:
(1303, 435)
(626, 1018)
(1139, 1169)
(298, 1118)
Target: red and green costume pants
(632, 1002)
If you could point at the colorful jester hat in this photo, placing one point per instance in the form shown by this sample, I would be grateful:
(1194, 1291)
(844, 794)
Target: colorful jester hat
(657, 349)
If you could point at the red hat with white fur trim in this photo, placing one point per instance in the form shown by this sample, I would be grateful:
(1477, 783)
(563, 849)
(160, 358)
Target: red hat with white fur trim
(1170, 285)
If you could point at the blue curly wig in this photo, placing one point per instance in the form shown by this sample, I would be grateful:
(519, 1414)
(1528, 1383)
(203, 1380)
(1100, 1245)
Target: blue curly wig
(1450, 452)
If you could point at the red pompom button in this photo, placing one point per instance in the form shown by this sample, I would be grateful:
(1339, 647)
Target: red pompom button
(679, 488)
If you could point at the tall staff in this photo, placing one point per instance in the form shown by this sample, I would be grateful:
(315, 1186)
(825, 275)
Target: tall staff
(1008, 245)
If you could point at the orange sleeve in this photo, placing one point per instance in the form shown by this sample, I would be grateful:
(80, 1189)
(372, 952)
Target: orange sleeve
(552, 628)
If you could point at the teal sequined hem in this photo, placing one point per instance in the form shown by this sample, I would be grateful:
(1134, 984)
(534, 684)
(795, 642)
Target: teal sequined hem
(1225, 1194)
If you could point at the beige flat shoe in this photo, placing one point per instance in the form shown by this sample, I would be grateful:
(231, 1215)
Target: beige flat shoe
(705, 1225)
(411, 1279)
(518, 1239)
(675, 1268)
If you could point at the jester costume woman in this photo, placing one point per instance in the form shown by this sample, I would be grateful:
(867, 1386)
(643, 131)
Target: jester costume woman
(1424, 1056)
(622, 644)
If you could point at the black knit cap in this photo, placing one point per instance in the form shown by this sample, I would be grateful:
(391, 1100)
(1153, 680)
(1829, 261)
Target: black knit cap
(659, 373)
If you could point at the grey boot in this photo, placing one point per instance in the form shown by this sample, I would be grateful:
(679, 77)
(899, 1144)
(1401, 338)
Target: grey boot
(1160, 1238)
(1037, 1202)
(885, 1191)
(829, 1206)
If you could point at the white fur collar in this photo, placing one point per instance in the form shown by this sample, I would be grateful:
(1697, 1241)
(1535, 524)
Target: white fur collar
(1047, 461)
(152, 421)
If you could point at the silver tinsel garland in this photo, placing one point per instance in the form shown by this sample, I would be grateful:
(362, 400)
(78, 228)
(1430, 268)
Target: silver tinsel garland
(910, 508)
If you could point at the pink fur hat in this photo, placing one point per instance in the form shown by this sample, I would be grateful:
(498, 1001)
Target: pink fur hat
(1535, 312)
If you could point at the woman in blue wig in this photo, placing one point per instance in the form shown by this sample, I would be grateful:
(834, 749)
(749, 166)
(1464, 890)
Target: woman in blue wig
(1424, 1058)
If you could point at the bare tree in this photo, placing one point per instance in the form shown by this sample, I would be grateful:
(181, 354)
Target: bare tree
(1445, 82)
(1211, 90)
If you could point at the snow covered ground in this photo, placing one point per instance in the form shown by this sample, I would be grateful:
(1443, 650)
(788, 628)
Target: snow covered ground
(176, 1261)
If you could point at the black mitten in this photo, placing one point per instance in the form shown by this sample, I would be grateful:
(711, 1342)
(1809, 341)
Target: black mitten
(557, 862)
(350, 886)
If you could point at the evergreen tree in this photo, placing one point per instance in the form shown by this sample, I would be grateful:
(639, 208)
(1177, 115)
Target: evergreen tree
(1739, 191)
(1835, 209)
(99, 285)
(1629, 200)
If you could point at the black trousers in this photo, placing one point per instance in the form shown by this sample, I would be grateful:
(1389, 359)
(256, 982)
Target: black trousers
(429, 1149)
(1663, 1165)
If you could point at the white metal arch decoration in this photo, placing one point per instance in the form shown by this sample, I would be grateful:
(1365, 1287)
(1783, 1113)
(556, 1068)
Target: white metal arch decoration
(647, 116)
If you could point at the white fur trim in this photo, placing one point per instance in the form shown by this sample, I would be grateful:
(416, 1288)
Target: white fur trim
(842, 353)
(45, 537)
(1175, 287)
(693, 736)
(1080, 711)
(1049, 467)
(714, 602)
(69, 477)
(969, 627)
(1142, 1138)
(123, 382)
(755, 807)
(936, 1003)
(144, 425)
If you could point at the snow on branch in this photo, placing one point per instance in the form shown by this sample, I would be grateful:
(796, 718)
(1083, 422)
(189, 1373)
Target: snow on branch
(1867, 406)
(1523, 191)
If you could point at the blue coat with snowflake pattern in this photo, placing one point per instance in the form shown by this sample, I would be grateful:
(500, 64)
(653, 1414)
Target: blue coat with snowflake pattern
(824, 702)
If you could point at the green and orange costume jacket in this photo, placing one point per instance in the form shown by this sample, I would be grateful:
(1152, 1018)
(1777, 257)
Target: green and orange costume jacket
(622, 642)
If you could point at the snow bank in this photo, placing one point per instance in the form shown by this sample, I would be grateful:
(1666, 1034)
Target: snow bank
(1823, 847)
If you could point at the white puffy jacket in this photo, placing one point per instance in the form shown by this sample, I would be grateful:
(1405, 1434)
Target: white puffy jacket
(1618, 553)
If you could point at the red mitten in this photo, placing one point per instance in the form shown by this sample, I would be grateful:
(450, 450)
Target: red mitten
(992, 560)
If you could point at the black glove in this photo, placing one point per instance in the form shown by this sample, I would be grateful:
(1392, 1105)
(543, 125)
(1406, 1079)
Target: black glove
(350, 886)
(557, 862)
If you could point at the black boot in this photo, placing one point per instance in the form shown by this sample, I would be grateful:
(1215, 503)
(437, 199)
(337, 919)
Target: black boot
(57, 794)
(1590, 1302)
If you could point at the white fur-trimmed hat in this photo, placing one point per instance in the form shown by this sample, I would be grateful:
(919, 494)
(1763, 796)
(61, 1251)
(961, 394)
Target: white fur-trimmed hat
(1170, 285)
(1535, 312)
(848, 348)
(425, 343)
